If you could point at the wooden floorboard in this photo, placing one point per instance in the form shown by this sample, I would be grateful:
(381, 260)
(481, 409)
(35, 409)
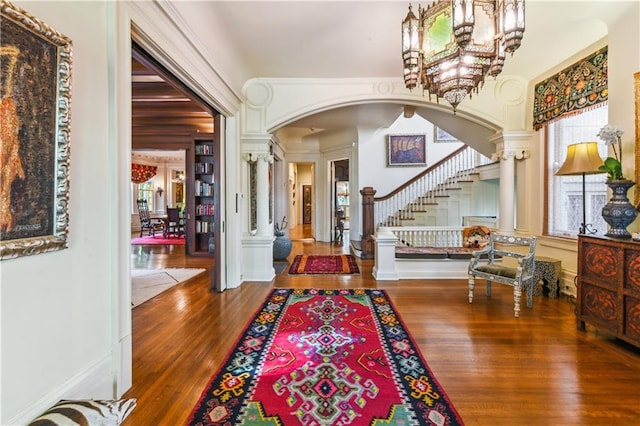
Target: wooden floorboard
(497, 370)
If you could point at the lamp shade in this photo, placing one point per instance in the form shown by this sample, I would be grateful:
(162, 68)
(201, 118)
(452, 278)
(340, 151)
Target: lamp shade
(581, 158)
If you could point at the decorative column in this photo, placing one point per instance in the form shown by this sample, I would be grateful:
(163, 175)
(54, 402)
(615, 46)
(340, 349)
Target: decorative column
(257, 243)
(510, 146)
(263, 195)
(507, 193)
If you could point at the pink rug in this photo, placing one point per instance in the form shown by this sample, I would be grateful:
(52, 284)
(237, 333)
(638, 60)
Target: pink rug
(157, 240)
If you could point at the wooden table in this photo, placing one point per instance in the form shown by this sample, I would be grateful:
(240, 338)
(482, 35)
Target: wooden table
(547, 269)
(165, 220)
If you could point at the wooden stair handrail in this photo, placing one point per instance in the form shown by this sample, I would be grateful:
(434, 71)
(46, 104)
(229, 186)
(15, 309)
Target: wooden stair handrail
(421, 174)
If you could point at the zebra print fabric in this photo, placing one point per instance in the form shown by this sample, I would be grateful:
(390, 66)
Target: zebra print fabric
(86, 413)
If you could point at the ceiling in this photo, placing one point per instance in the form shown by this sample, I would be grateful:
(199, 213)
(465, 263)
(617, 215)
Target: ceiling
(338, 39)
(160, 106)
(351, 39)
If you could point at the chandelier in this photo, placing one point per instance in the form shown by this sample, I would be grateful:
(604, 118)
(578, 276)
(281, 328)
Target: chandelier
(455, 44)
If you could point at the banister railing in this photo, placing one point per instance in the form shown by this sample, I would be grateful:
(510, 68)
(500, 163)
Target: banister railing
(427, 236)
(422, 190)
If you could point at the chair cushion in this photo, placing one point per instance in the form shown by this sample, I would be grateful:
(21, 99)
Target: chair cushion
(421, 252)
(502, 271)
(460, 252)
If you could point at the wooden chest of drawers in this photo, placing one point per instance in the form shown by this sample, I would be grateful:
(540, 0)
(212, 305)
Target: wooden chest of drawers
(609, 286)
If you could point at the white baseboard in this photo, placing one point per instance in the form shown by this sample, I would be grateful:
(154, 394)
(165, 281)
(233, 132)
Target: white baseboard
(384, 276)
(95, 382)
(432, 268)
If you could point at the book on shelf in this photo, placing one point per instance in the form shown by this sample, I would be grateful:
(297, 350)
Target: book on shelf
(202, 189)
(205, 209)
(204, 149)
(203, 226)
(203, 168)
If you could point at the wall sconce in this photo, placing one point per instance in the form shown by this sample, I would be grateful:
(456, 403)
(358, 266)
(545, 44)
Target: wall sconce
(160, 191)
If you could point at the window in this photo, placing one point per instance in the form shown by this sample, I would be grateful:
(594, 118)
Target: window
(564, 193)
(145, 192)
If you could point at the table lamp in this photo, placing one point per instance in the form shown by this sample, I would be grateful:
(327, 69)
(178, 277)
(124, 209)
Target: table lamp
(582, 158)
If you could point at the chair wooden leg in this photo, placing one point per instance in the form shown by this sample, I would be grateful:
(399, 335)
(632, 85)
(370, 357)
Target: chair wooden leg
(517, 294)
(472, 284)
(529, 289)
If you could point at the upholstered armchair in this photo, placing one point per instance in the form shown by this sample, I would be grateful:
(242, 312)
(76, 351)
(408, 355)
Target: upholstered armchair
(490, 264)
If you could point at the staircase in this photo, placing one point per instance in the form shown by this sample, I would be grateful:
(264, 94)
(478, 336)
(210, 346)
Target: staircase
(441, 195)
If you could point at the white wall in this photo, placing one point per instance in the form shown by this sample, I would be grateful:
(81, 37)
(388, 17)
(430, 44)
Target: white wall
(624, 60)
(58, 313)
(56, 309)
(373, 170)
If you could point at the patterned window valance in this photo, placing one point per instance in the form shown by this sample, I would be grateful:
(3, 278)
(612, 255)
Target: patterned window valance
(582, 85)
(141, 173)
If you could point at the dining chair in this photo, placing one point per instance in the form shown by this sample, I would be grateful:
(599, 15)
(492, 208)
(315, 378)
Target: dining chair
(146, 222)
(175, 223)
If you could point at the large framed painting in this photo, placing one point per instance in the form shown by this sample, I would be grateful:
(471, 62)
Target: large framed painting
(407, 150)
(34, 134)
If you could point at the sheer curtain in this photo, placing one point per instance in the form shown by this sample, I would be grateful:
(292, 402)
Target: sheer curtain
(564, 193)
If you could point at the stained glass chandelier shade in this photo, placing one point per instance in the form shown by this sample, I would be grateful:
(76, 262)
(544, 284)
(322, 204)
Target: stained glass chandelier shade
(452, 46)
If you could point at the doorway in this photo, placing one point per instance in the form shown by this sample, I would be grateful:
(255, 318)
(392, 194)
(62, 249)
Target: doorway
(301, 182)
(340, 206)
(166, 116)
(165, 189)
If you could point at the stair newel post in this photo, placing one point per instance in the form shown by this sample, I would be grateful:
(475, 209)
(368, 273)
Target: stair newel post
(367, 222)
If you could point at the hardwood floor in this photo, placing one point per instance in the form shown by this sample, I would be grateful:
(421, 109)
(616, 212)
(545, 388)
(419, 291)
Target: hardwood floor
(497, 369)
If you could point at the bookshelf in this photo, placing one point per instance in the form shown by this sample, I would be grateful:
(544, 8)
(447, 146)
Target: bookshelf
(204, 197)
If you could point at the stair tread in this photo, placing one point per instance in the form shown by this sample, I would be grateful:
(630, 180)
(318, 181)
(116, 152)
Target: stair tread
(438, 194)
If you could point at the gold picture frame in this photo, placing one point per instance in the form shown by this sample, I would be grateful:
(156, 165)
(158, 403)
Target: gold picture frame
(35, 110)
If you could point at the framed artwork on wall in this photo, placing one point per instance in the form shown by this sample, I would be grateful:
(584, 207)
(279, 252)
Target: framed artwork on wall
(35, 115)
(407, 150)
(442, 136)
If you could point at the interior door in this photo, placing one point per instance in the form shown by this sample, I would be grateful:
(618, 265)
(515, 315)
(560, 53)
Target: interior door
(307, 204)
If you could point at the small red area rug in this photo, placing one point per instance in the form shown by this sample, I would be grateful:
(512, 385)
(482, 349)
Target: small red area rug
(158, 239)
(324, 264)
(325, 357)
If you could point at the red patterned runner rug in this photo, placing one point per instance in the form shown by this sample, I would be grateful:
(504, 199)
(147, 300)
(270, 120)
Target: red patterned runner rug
(325, 357)
(324, 264)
